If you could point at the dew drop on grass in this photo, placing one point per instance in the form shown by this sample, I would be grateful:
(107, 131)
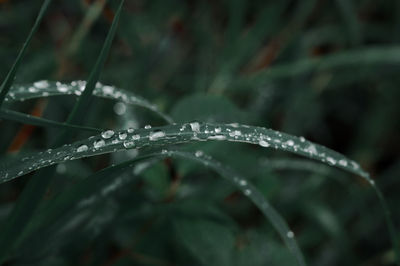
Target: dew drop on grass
(41, 84)
(218, 130)
(82, 148)
(311, 149)
(156, 135)
(129, 144)
(199, 153)
(290, 234)
(61, 168)
(302, 139)
(195, 126)
(217, 137)
(343, 162)
(242, 182)
(98, 144)
(247, 192)
(147, 126)
(263, 143)
(331, 161)
(290, 142)
(122, 135)
(119, 108)
(130, 130)
(136, 137)
(107, 134)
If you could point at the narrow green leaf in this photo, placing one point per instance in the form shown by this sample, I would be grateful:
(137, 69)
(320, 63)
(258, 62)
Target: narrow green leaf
(110, 141)
(46, 88)
(101, 184)
(38, 121)
(5, 86)
(94, 76)
(360, 57)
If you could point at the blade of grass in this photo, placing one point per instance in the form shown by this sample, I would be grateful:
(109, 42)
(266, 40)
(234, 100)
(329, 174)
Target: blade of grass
(93, 188)
(94, 76)
(366, 57)
(181, 133)
(38, 121)
(6, 85)
(45, 88)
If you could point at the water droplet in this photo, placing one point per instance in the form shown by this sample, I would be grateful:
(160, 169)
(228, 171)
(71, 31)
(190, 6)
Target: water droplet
(119, 108)
(147, 126)
(218, 130)
(156, 135)
(61, 168)
(130, 130)
(41, 84)
(290, 234)
(343, 162)
(242, 182)
(107, 134)
(122, 135)
(302, 139)
(198, 153)
(263, 143)
(330, 160)
(311, 149)
(32, 89)
(129, 144)
(82, 148)
(290, 142)
(195, 126)
(136, 137)
(98, 144)
(217, 137)
(247, 192)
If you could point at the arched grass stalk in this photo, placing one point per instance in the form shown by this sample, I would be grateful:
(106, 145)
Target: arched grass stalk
(110, 141)
(46, 88)
(94, 188)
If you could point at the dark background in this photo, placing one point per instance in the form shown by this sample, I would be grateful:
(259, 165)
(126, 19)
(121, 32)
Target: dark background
(323, 69)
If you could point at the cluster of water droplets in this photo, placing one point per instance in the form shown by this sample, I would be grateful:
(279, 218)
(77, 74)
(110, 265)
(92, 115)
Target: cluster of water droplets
(110, 141)
(44, 88)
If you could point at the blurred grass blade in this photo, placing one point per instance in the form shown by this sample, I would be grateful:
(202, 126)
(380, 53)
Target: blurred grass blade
(6, 85)
(365, 57)
(100, 185)
(109, 141)
(45, 88)
(38, 121)
(250, 191)
(94, 76)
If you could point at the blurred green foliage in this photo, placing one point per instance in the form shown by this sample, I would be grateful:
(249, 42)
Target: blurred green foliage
(325, 70)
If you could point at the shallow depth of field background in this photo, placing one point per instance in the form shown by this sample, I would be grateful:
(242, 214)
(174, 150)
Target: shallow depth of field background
(327, 70)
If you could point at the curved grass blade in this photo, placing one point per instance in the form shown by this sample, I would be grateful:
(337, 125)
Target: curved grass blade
(359, 57)
(100, 184)
(251, 192)
(5, 86)
(46, 88)
(109, 141)
(39, 121)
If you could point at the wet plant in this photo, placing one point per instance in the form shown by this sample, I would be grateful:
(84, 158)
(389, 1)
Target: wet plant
(123, 181)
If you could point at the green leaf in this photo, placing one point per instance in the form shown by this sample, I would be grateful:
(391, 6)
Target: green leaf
(46, 88)
(38, 121)
(94, 76)
(110, 141)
